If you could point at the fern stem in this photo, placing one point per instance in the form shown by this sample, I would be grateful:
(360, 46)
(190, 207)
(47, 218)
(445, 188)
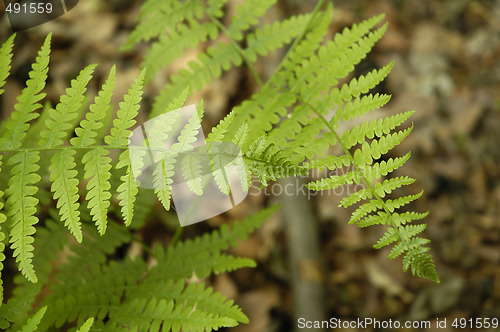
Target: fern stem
(177, 236)
(239, 49)
(120, 147)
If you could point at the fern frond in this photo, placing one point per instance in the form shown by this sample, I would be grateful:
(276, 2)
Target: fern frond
(209, 302)
(195, 256)
(191, 164)
(5, 59)
(381, 189)
(58, 124)
(104, 289)
(151, 315)
(331, 64)
(335, 181)
(268, 162)
(158, 17)
(32, 323)
(270, 105)
(87, 325)
(171, 46)
(22, 208)
(219, 132)
(2, 238)
(378, 127)
(390, 236)
(63, 174)
(118, 136)
(379, 169)
(270, 37)
(308, 45)
(194, 295)
(220, 163)
(97, 170)
(125, 116)
(97, 164)
(65, 189)
(192, 172)
(199, 73)
(354, 89)
(28, 101)
(421, 264)
(158, 133)
(401, 201)
(358, 107)
(49, 241)
(244, 172)
(247, 14)
(87, 284)
(86, 133)
(377, 148)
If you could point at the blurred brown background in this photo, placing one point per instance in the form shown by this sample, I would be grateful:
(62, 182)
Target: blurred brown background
(447, 68)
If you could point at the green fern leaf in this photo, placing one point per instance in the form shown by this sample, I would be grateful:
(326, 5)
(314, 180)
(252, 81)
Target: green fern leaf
(86, 134)
(195, 255)
(63, 176)
(87, 325)
(192, 172)
(27, 101)
(65, 189)
(157, 17)
(390, 236)
(151, 315)
(191, 164)
(58, 124)
(391, 184)
(96, 162)
(158, 134)
(377, 148)
(358, 107)
(336, 181)
(209, 66)
(270, 37)
(22, 208)
(244, 172)
(406, 217)
(118, 136)
(246, 16)
(383, 168)
(192, 295)
(401, 201)
(33, 322)
(364, 209)
(219, 132)
(173, 45)
(5, 59)
(373, 128)
(97, 170)
(2, 238)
